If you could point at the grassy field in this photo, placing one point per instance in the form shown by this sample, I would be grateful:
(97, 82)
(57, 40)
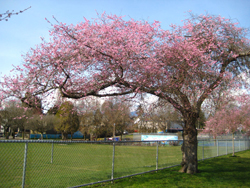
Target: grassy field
(223, 172)
(80, 163)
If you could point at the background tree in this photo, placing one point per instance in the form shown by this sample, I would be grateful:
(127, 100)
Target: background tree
(116, 116)
(164, 115)
(142, 118)
(53, 110)
(7, 116)
(97, 123)
(123, 119)
(86, 120)
(15, 116)
(68, 121)
(41, 123)
(229, 119)
(183, 65)
(110, 116)
(200, 123)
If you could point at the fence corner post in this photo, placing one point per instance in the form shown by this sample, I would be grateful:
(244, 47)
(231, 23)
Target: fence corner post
(226, 148)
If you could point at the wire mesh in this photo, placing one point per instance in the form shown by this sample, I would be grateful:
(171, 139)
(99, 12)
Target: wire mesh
(67, 164)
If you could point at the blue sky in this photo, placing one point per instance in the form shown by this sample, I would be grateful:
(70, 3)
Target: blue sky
(22, 32)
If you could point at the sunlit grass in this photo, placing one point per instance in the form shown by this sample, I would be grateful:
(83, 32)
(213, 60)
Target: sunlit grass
(223, 171)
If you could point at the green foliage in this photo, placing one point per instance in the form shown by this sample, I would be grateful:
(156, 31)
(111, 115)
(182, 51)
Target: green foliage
(53, 110)
(68, 121)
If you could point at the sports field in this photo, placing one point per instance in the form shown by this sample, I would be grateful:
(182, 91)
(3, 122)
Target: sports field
(72, 164)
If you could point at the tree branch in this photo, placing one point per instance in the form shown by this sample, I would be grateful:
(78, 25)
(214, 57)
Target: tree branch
(8, 14)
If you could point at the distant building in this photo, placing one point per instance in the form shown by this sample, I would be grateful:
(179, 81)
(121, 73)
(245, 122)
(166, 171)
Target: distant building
(160, 127)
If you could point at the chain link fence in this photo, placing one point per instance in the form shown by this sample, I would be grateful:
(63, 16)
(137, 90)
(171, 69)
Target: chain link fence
(47, 163)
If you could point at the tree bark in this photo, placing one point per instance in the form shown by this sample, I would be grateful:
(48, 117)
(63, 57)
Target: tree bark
(189, 162)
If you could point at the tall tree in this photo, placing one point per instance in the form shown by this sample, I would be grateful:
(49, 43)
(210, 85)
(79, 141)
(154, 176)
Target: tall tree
(124, 117)
(97, 123)
(116, 116)
(86, 120)
(68, 121)
(183, 65)
(110, 116)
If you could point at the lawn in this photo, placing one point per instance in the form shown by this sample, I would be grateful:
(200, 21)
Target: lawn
(81, 163)
(224, 171)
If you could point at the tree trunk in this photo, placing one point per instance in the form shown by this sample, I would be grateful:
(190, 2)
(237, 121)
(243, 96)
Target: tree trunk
(23, 133)
(85, 134)
(64, 136)
(189, 147)
(6, 133)
(13, 134)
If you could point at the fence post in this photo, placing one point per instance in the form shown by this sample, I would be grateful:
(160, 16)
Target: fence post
(52, 152)
(245, 144)
(203, 150)
(217, 147)
(226, 147)
(157, 151)
(239, 145)
(24, 163)
(113, 162)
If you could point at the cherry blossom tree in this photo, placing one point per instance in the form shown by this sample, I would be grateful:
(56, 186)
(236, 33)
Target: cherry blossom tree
(183, 65)
(229, 119)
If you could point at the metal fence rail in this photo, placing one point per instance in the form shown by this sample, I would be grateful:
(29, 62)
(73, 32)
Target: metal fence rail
(48, 163)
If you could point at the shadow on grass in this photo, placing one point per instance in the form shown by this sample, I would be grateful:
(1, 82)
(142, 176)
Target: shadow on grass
(227, 169)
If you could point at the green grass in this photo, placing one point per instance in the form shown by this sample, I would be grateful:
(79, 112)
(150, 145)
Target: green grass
(223, 171)
(81, 163)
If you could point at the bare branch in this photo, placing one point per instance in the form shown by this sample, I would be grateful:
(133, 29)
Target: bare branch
(5, 16)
